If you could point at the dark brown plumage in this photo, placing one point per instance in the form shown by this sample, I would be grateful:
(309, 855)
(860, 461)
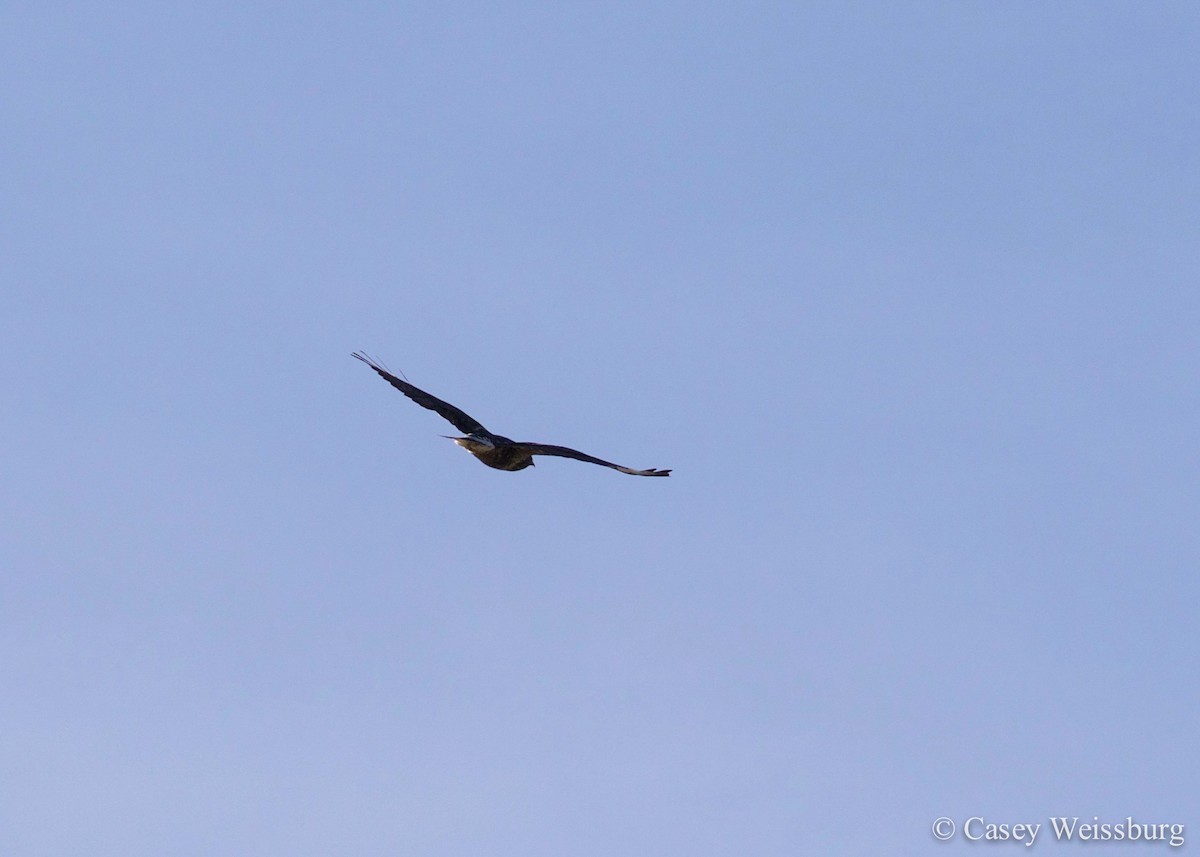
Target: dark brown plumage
(492, 449)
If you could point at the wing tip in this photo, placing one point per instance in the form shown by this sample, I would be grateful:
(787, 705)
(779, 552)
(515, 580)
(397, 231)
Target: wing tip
(372, 362)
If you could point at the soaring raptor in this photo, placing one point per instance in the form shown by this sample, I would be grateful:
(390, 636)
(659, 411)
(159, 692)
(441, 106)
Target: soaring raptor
(492, 449)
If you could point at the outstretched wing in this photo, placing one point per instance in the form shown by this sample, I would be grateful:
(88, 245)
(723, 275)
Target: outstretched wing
(566, 452)
(462, 422)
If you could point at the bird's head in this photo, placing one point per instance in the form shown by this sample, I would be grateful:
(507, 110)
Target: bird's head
(471, 443)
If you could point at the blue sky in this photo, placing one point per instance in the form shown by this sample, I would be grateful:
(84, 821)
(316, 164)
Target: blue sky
(905, 294)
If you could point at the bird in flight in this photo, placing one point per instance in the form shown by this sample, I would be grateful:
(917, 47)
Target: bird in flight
(492, 449)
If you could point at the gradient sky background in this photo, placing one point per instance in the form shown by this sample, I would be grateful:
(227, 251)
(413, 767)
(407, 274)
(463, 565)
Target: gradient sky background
(906, 294)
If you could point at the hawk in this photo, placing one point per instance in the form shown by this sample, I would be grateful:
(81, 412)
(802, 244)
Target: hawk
(492, 449)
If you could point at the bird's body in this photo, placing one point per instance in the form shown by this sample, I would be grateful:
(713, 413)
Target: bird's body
(493, 450)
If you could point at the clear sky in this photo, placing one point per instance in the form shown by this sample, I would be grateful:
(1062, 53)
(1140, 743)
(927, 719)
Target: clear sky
(905, 293)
